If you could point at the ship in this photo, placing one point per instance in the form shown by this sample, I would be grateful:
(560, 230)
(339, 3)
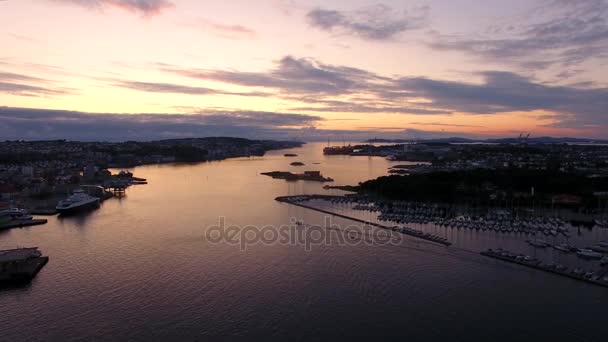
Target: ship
(338, 150)
(77, 202)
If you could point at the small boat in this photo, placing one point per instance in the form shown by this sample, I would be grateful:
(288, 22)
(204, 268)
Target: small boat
(604, 261)
(588, 254)
(562, 248)
(538, 243)
(599, 249)
(17, 214)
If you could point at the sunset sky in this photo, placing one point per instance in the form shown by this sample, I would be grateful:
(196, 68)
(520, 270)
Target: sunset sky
(341, 69)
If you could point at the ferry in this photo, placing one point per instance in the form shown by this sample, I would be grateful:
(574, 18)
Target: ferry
(78, 201)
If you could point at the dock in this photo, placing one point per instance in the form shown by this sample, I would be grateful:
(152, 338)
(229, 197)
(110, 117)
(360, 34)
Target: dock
(20, 266)
(537, 265)
(402, 230)
(21, 224)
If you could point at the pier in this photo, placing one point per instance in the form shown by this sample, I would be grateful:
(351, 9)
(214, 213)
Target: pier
(293, 200)
(21, 224)
(506, 256)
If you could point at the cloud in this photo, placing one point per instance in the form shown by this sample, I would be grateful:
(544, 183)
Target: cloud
(230, 31)
(8, 76)
(326, 88)
(292, 75)
(441, 124)
(144, 7)
(155, 87)
(24, 85)
(508, 92)
(25, 123)
(378, 22)
(559, 32)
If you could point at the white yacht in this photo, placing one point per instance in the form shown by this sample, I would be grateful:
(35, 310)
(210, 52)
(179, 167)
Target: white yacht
(78, 201)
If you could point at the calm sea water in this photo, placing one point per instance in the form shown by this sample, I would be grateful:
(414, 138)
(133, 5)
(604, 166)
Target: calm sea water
(144, 268)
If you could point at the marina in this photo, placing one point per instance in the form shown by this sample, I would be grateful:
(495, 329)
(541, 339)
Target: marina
(571, 248)
(296, 200)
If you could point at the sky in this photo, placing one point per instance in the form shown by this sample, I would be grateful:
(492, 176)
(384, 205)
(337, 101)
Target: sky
(306, 70)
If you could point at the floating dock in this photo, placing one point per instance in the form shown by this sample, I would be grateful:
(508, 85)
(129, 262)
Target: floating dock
(21, 224)
(403, 230)
(536, 264)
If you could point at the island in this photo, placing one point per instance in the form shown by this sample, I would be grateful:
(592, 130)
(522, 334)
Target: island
(314, 176)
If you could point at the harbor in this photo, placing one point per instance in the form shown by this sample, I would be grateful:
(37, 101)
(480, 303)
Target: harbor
(549, 244)
(130, 240)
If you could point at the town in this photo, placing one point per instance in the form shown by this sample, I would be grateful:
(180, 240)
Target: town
(36, 175)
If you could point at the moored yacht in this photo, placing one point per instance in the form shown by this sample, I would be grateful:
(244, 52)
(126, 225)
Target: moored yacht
(16, 214)
(589, 254)
(77, 202)
(539, 243)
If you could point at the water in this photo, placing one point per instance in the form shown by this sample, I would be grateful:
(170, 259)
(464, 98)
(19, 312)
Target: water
(142, 268)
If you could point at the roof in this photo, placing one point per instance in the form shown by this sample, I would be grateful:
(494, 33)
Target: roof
(18, 254)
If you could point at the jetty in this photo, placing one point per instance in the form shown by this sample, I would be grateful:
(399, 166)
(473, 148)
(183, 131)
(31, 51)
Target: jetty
(296, 200)
(22, 223)
(20, 266)
(600, 279)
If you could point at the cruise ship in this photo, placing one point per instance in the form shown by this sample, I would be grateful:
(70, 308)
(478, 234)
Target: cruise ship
(77, 202)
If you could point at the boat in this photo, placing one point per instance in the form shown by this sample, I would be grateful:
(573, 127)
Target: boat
(17, 214)
(604, 261)
(603, 243)
(599, 249)
(588, 254)
(78, 201)
(562, 247)
(538, 243)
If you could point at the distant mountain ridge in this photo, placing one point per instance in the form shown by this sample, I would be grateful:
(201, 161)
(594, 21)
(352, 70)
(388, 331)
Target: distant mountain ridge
(456, 140)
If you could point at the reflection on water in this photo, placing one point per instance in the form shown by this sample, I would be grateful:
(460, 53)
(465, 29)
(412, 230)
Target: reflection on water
(141, 268)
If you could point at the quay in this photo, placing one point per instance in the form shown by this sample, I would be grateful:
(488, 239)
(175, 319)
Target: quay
(21, 224)
(601, 279)
(20, 266)
(293, 200)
